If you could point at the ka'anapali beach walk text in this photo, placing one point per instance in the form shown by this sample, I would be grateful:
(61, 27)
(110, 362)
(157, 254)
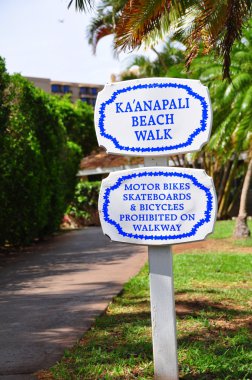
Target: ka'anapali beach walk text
(153, 117)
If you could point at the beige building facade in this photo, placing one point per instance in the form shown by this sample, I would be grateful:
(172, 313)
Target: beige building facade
(86, 92)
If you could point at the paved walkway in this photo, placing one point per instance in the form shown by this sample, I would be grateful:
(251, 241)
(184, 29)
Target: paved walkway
(51, 294)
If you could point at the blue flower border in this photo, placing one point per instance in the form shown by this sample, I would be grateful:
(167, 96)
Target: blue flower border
(203, 121)
(118, 183)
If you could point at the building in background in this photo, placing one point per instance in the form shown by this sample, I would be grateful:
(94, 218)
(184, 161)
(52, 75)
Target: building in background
(86, 92)
(99, 164)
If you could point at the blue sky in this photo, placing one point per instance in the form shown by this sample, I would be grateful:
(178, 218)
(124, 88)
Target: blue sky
(35, 42)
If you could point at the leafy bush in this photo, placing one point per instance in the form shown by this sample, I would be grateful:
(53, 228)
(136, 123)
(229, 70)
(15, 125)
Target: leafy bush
(84, 206)
(38, 162)
(78, 119)
(4, 109)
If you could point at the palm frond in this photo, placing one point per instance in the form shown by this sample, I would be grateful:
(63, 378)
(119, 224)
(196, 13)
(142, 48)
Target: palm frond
(97, 29)
(104, 21)
(210, 74)
(237, 13)
(246, 106)
(138, 19)
(81, 5)
(239, 83)
(103, 31)
(215, 24)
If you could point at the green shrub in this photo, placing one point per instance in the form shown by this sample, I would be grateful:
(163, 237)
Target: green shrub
(38, 163)
(84, 206)
(78, 119)
(4, 107)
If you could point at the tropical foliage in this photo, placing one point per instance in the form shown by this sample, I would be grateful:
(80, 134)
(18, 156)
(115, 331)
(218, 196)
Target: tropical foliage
(214, 24)
(203, 26)
(144, 67)
(84, 205)
(232, 127)
(227, 154)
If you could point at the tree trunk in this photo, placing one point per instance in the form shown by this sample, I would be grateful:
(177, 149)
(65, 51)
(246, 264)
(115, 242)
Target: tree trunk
(223, 181)
(160, 58)
(222, 211)
(241, 227)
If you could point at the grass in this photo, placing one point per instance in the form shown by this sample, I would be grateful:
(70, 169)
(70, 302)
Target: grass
(213, 308)
(224, 229)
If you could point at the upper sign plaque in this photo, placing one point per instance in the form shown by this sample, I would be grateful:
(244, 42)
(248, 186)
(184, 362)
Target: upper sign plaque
(154, 116)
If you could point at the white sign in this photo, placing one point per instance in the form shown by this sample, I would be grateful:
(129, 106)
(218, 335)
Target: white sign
(154, 116)
(157, 206)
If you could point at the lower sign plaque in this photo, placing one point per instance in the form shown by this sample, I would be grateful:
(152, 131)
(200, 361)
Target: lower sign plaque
(157, 205)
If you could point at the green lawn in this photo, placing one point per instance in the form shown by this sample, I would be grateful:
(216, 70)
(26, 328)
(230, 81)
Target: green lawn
(213, 305)
(225, 228)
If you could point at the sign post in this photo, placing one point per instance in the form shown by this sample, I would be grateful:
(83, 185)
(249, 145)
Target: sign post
(156, 205)
(163, 314)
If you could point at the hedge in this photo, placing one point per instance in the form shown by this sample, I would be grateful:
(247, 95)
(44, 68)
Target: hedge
(78, 119)
(38, 161)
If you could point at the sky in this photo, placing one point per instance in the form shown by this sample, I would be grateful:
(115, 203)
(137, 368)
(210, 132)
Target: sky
(42, 38)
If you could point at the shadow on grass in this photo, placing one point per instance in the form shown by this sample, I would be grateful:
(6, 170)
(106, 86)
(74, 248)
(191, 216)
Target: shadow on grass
(140, 318)
(218, 354)
(191, 291)
(123, 340)
(212, 310)
(220, 348)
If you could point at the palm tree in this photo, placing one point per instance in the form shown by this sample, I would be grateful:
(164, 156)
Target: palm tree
(215, 24)
(232, 128)
(169, 57)
(231, 138)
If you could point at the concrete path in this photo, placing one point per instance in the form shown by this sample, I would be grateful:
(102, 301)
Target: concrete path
(51, 294)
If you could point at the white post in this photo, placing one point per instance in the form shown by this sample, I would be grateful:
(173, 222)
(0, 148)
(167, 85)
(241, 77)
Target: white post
(163, 314)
